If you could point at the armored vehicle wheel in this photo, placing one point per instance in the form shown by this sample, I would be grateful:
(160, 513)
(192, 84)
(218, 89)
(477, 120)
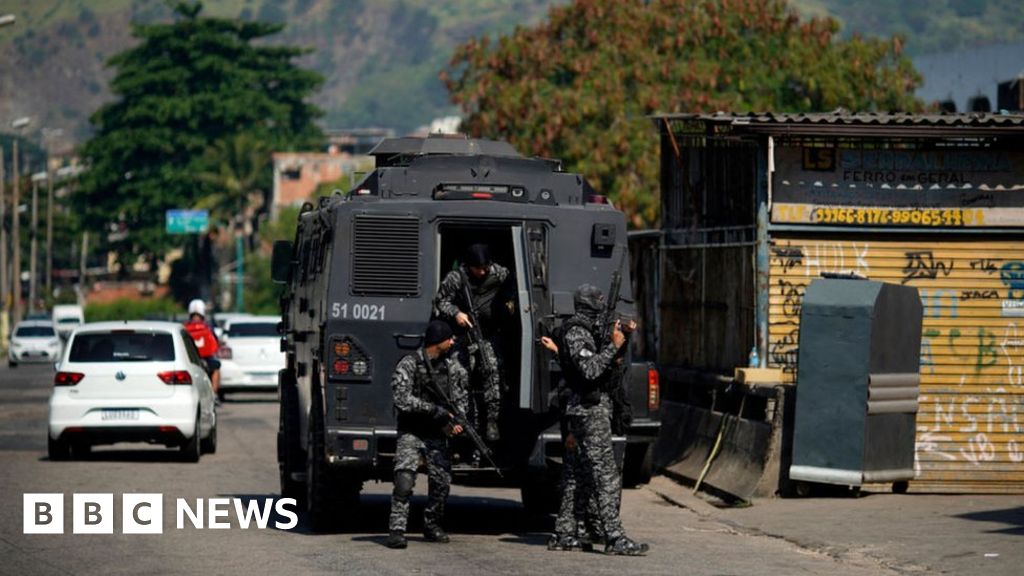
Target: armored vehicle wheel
(323, 498)
(291, 461)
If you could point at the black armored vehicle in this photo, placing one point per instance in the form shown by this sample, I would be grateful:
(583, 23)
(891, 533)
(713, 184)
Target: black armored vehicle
(360, 280)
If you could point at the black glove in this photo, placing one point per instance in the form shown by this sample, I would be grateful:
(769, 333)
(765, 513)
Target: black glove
(441, 415)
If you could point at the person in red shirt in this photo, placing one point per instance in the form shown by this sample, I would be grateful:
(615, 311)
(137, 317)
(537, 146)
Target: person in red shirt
(206, 341)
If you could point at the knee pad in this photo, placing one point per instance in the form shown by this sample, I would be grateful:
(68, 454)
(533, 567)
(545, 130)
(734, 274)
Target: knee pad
(404, 481)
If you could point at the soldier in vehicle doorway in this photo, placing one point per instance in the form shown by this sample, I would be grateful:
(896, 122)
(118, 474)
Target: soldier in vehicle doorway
(422, 385)
(476, 292)
(589, 366)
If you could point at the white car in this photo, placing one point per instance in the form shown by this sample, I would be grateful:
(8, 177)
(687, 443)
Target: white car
(131, 382)
(220, 319)
(34, 341)
(66, 317)
(250, 354)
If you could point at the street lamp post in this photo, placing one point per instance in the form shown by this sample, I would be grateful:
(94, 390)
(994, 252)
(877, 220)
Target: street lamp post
(49, 232)
(33, 242)
(3, 254)
(16, 226)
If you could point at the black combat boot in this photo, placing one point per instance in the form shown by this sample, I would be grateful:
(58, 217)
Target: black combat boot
(625, 547)
(396, 539)
(564, 543)
(435, 534)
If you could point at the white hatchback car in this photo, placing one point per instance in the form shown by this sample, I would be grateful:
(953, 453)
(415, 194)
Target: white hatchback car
(250, 354)
(34, 341)
(131, 382)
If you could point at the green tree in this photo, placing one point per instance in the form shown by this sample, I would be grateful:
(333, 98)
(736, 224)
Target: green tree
(581, 85)
(237, 171)
(187, 86)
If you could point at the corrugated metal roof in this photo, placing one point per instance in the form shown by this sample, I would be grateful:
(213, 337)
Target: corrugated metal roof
(862, 122)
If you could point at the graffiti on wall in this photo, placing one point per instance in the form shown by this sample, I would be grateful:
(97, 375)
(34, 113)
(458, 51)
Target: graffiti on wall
(972, 345)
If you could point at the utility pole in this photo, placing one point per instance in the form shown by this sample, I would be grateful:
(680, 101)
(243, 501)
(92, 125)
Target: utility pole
(49, 232)
(4, 326)
(16, 240)
(33, 243)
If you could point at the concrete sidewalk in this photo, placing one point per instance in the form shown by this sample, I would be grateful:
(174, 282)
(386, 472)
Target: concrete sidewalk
(905, 533)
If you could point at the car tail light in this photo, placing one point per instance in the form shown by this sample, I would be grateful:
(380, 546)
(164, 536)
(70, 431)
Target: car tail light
(176, 377)
(224, 353)
(67, 378)
(653, 389)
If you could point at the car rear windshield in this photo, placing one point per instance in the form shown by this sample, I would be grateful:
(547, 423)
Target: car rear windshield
(69, 321)
(34, 331)
(253, 330)
(122, 347)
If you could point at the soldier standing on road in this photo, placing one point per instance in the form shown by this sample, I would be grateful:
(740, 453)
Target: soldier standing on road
(587, 372)
(424, 426)
(485, 280)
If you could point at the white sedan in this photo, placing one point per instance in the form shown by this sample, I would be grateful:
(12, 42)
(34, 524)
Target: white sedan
(250, 354)
(131, 382)
(34, 341)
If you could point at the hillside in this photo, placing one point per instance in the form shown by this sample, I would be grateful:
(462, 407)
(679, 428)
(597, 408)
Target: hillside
(380, 57)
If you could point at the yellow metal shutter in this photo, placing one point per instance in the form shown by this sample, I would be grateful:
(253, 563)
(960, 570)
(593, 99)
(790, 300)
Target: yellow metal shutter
(970, 426)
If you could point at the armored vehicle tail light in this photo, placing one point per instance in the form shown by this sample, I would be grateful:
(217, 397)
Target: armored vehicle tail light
(653, 389)
(67, 378)
(361, 445)
(348, 359)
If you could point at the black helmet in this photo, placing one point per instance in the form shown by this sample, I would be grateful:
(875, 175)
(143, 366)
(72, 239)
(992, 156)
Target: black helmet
(478, 255)
(437, 331)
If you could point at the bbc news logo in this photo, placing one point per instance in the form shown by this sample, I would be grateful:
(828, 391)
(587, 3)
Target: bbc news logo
(144, 513)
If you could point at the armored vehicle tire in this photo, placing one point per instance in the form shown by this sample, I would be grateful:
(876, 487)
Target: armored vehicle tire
(317, 501)
(639, 464)
(291, 461)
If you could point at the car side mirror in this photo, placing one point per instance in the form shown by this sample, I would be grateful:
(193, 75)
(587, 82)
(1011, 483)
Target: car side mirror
(281, 262)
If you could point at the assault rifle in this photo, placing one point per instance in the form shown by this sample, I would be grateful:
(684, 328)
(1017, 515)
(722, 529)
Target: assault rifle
(621, 410)
(476, 335)
(609, 316)
(458, 415)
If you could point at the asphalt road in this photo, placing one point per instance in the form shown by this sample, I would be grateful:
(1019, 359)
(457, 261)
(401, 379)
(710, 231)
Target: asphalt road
(490, 531)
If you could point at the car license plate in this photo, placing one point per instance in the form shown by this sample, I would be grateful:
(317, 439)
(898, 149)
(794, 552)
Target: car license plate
(264, 376)
(120, 415)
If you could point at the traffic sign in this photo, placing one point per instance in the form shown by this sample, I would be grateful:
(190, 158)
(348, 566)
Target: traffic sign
(187, 221)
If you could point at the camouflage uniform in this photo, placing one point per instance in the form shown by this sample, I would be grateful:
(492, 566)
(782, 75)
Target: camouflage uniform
(421, 434)
(451, 300)
(577, 522)
(588, 415)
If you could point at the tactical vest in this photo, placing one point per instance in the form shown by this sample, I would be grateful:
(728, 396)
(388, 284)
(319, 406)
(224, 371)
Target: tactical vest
(424, 425)
(589, 391)
(484, 294)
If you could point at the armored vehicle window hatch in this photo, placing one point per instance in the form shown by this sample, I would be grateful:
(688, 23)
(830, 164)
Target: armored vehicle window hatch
(386, 255)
